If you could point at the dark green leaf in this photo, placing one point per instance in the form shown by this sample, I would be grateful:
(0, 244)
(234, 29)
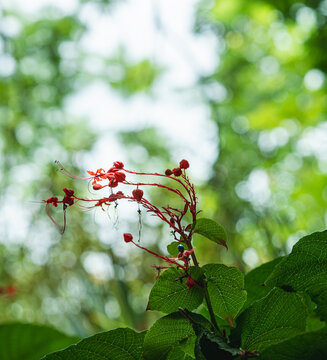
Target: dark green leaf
(118, 344)
(209, 346)
(309, 346)
(225, 287)
(172, 249)
(167, 294)
(322, 309)
(168, 332)
(30, 342)
(254, 281)
(305, 269)
(211, 230)
(314, 324)
(276, 317)
(176, 353)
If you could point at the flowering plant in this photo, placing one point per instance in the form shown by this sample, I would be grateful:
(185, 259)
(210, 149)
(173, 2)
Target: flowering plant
(101, 179)
(211, 311)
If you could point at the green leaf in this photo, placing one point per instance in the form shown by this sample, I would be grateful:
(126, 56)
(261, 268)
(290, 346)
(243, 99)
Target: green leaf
(225, 288)
(313, 324)
(172, 249)
(187, 345)
(168, 332)
(176, 353)
(254, 281)
(222, 324)
(305, 269)
(209, 346)
(211, 230)
(118, 344)
(322, 309)
(278, 316)
(167, 295)
(307, 346)
(30, 342)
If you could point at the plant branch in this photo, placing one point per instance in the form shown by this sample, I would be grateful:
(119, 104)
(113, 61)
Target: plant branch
(206, 294)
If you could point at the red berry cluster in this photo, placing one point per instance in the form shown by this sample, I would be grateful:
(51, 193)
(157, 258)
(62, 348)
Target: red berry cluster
(67, 200)
(178, 171)
(115, 175)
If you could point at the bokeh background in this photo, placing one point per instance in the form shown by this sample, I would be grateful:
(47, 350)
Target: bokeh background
(236, 87)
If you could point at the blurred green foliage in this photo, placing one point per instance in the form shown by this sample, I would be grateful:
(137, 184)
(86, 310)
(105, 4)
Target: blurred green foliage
(268, 185)
(42, 67)
(268, 97)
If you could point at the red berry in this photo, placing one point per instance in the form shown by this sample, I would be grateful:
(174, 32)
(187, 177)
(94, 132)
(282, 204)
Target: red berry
(128, 237)
(190, 282)
(168, 172)
(184, 164)
(120, 176)
(118, 165)
(11, 290)
(97, 187)
(137, 194)
(177, 171)
(113, 182)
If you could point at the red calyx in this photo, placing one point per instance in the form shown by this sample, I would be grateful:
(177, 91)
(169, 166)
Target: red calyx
(137, 194)
(68, 200)
(118, 165)
(190, 282)
(97, 186)
(128, 237)
(114, 197)
(184, 164)
(168, 172)
(68, 192)
(177, 171)
(53, 200)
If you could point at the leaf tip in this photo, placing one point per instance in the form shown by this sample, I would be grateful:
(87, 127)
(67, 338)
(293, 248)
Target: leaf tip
(223, 243)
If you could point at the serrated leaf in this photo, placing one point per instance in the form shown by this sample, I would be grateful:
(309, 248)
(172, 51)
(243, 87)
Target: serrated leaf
(222, 324)
(208, 344)
(30, 342)
(211, 230)
(172, 249)
(168, 332)
(309, 346)
(278, 316)
(254, 281)
(225, 288)
(118, 344)
(167, 294)
(305, 269)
